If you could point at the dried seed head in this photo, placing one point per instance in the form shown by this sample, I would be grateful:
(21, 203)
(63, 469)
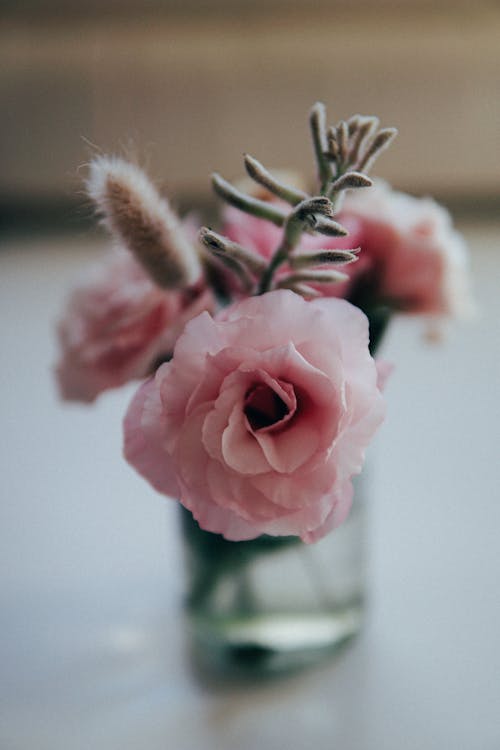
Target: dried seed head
(330, 228)
(142, 221)
(350, 181)
(318, 204)
(379, 144)
(305, 216)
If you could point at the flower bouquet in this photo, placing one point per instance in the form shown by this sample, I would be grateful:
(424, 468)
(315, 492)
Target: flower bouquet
(261, 393)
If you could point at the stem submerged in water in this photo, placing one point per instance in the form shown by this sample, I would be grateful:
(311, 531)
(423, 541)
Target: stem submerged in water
(211, 557)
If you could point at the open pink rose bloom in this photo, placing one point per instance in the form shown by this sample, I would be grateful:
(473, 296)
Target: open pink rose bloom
(414, 258)
(117, 324)
(262, 416)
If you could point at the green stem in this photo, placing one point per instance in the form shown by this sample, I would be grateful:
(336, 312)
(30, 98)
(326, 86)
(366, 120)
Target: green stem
(296, 222)
(277, 260)
(378, 321)
(246, 203)
(366, 296)
(211, 557)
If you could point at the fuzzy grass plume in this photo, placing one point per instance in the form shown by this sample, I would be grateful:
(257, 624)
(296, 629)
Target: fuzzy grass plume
(141, 220)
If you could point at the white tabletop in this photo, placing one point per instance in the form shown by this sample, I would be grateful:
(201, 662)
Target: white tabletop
(92, 651)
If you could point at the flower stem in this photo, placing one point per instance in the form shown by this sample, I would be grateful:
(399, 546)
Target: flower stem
(277, 260)
(378, 321)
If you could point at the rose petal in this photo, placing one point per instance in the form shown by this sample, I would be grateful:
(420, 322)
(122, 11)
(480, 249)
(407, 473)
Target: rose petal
(144, 443)
(291, 476)
(117, 325)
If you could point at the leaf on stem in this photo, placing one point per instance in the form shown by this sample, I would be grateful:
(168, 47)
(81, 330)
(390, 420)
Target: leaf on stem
(261, 175)
(317, 121)
(324, 257)
(222, 246)
(380, 143)
(366, 128)
(315, 277)
(296, 286)
(342, 141)
(246, 203)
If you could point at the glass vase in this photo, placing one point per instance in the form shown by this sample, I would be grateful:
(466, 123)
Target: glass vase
(273, 603)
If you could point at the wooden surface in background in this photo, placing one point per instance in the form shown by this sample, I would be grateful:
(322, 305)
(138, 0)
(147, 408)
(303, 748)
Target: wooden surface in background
(188, 94)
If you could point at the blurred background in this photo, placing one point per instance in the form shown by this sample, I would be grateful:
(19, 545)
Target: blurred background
(91, 647)
(186, 86)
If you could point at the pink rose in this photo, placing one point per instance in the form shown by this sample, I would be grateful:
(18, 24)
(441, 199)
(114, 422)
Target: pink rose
(411, 256)
(116, 324)
(262, 416)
